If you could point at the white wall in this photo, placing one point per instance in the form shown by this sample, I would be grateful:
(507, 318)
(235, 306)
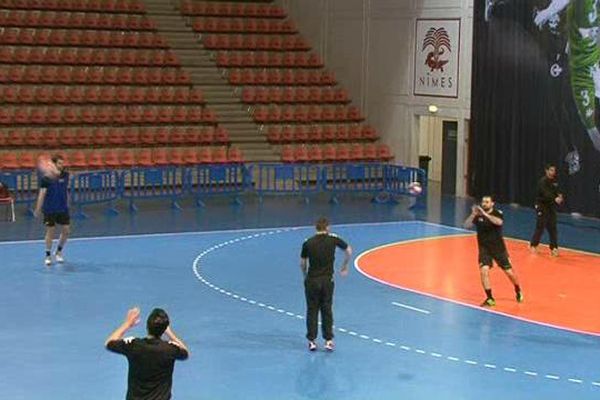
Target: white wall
(369, 44)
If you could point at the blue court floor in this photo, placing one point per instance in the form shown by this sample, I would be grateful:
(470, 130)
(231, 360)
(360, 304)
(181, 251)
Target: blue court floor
(234, 293)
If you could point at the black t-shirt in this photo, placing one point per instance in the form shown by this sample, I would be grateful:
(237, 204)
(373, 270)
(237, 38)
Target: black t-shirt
(489, 235)
(320, 251)
(547, 191)
(151, 363)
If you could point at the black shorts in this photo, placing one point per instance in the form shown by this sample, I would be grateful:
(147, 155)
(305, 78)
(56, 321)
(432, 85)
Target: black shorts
(57, 218)
(487, 257)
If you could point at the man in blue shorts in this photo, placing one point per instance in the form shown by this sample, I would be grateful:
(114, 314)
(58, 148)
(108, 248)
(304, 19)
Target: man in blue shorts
(53, 202)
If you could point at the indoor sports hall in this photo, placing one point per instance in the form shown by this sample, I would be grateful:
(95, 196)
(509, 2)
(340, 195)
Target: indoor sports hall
(183, 155)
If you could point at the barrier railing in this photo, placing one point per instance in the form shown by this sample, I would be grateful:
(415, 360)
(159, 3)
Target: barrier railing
(398, 179)
(356, 178)
(23, 187)
(93, 188)
(384, 181)
(299, 179)
(214, 180)
(152, 183)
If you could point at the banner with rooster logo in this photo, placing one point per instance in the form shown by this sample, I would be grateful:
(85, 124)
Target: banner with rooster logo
(437, 51)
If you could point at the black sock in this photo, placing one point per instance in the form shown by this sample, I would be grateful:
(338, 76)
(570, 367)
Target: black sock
(517, 289)
(488, 293)
(59, 249)
(47, 253)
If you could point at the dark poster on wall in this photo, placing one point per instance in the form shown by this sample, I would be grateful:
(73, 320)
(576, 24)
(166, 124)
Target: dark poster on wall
(536, 99)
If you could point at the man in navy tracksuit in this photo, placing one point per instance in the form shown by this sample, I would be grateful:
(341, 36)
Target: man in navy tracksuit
(53, 202)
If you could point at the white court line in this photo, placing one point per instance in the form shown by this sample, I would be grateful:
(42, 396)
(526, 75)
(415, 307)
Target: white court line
(533, 374)
(219, 231)
(458, 302)
(420, 310)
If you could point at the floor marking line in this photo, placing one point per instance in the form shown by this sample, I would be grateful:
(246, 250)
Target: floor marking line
(406, 306)
(203, 280)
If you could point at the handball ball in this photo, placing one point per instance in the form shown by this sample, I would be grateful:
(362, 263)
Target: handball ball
(46, 167)
(415, 188)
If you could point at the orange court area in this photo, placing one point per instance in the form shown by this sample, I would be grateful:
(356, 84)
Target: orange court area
(560, 292)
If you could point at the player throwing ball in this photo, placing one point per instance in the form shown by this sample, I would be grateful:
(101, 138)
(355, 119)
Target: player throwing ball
(488, 222)
(53, 202)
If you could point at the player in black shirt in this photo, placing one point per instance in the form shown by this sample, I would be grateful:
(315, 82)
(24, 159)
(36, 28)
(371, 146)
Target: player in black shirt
(317, 259)
(151, 359)
(488, 222)
(548, 197)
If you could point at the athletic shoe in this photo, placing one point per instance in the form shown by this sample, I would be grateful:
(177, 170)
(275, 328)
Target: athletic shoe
(554, 252)
(488, 303)
(329, 345)
(533, 249)
(48, 261)
(520, 297)
(312, 346)
(59, 258)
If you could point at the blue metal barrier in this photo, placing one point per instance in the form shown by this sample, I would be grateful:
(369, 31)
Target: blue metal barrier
(93, 188)
(383, 181)
(302, 179)
(398, 179)
(152, 183)
(353, 178)
(23, 185)
(210, 180)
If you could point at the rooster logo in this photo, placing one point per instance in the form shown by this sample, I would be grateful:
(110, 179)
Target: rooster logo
(439, 40)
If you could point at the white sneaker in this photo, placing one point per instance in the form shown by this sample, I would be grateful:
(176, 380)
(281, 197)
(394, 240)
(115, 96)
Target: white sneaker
(59, 258)
(48, 261)
(554, 252)
(329, 345)
(312, 346)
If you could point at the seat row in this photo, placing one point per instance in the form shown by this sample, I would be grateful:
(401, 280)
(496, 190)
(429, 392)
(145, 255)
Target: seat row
(121, 115)
(91, 38)
(231, 9)
(262, 95)
(94, 75)
(87, 56)
(303, 114)
(277, 134)
(114, 137)
(339, 153)
(100, 95)
(278, 77)
(243, 25)
(126, 158)
(296, 59)
(120, 6)
(255, 42)
(78, 20)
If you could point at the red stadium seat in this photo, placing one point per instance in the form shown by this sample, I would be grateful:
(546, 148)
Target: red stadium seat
(287, 154)
(127, 158)
(219, 155)
(190, 157)
(95, 160)
(235, 155)
(205, 156)
(144, 158)
(176, 157)
(160, 157)
(315, 154)
(111, 159)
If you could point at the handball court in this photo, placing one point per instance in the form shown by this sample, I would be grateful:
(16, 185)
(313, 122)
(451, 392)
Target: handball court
(406, 319)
